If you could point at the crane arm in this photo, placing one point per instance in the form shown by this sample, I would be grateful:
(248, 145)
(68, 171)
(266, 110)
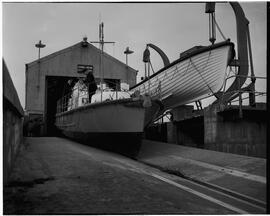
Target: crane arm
(242, 45)
(242, 31)
(164, 57)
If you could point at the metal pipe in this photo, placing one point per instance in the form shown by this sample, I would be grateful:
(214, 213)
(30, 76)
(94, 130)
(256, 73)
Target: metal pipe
(252, 99)
(257, 77)
(148, 76)
(240, 99)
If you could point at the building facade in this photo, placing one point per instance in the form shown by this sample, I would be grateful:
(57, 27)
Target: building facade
(46, 78)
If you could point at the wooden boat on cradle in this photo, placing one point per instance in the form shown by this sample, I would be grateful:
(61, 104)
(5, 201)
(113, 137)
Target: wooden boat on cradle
(197, 74)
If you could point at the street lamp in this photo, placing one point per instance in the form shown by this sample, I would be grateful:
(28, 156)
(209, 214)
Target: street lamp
(39, 46)
(127, 52)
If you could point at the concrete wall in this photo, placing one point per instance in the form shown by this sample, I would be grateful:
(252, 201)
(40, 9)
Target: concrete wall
(171, 132)
(64, 63)
(190, 132)
(12, 125)
(218, 130)
(157, 132)
(226, 132)
(187, 127)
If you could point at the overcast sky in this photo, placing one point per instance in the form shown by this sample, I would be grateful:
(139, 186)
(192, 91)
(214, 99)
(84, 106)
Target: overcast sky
(174, 27)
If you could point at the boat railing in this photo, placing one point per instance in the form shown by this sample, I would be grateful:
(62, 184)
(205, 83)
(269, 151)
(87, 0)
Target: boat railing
(79, 97)
(152, 87)
(245, 93)
(72, 100)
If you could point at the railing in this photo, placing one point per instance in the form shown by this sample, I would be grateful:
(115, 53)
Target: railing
(244, 90)
(71, 100)
(236, 96)
(79, 97)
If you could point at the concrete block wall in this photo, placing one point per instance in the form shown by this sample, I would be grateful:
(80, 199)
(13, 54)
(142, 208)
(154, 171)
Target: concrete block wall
(157, 132)
(12, 125)
(190, 132)
(171, 132)
(12, 140)
(218, 130)
(226, 132)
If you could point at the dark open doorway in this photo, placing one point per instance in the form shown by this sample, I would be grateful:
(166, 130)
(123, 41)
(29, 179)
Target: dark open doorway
(55, 88)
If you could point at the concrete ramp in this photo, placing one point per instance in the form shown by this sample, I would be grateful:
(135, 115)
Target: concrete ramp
(234, 174)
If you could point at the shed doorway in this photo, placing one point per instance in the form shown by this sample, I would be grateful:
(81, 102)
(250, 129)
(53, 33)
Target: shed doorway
(55, 88)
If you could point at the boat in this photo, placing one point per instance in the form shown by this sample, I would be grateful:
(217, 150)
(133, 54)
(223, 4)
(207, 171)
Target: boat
(198, 73)
(110, 119)
(115, 123)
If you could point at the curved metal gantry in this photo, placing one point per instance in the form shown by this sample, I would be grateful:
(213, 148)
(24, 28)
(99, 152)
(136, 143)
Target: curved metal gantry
(164, 57)
(241, 62)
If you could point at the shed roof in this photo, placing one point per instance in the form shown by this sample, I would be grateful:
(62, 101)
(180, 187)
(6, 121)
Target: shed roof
(77, 46)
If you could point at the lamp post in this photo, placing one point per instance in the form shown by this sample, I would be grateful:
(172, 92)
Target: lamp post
(39, 46)
(127, 52)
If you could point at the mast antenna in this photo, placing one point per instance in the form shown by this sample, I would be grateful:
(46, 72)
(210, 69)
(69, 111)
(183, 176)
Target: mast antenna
(101, 43)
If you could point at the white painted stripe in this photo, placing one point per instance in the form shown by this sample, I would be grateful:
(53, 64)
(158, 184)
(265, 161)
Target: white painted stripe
(237, 173)
(225, 194)
(204, 196)
(136, 169)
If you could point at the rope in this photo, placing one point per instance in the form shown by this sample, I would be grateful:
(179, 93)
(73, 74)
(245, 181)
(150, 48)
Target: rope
(113, 50)
(203, 70)
(151, 66)
(225, 81)
(224, 38)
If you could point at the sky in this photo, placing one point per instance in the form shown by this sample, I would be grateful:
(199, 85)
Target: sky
(174, 27)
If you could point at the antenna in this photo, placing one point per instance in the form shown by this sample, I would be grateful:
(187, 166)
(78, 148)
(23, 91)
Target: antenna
(101, 43)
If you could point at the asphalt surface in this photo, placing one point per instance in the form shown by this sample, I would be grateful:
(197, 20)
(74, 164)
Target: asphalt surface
(58, 176)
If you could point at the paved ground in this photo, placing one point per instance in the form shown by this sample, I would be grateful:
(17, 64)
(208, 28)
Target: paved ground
(58, 176)
(241, 174)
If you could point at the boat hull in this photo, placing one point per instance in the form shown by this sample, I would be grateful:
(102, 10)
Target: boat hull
(113, 125)
(125, 143)
(191, 78)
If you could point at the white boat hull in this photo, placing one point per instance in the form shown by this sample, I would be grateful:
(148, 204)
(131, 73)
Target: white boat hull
(112, 125)
(108, 118)
(192, 79)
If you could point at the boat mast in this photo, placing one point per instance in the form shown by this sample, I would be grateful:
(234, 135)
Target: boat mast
(101, 43)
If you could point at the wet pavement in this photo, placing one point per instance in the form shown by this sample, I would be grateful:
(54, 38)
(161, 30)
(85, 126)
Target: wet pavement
(59, 176)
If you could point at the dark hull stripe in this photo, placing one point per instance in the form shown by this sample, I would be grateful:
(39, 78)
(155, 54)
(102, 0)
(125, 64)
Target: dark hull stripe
(127, 144)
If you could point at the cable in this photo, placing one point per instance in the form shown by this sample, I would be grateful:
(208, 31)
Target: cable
(224, 38)
(203, 70)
